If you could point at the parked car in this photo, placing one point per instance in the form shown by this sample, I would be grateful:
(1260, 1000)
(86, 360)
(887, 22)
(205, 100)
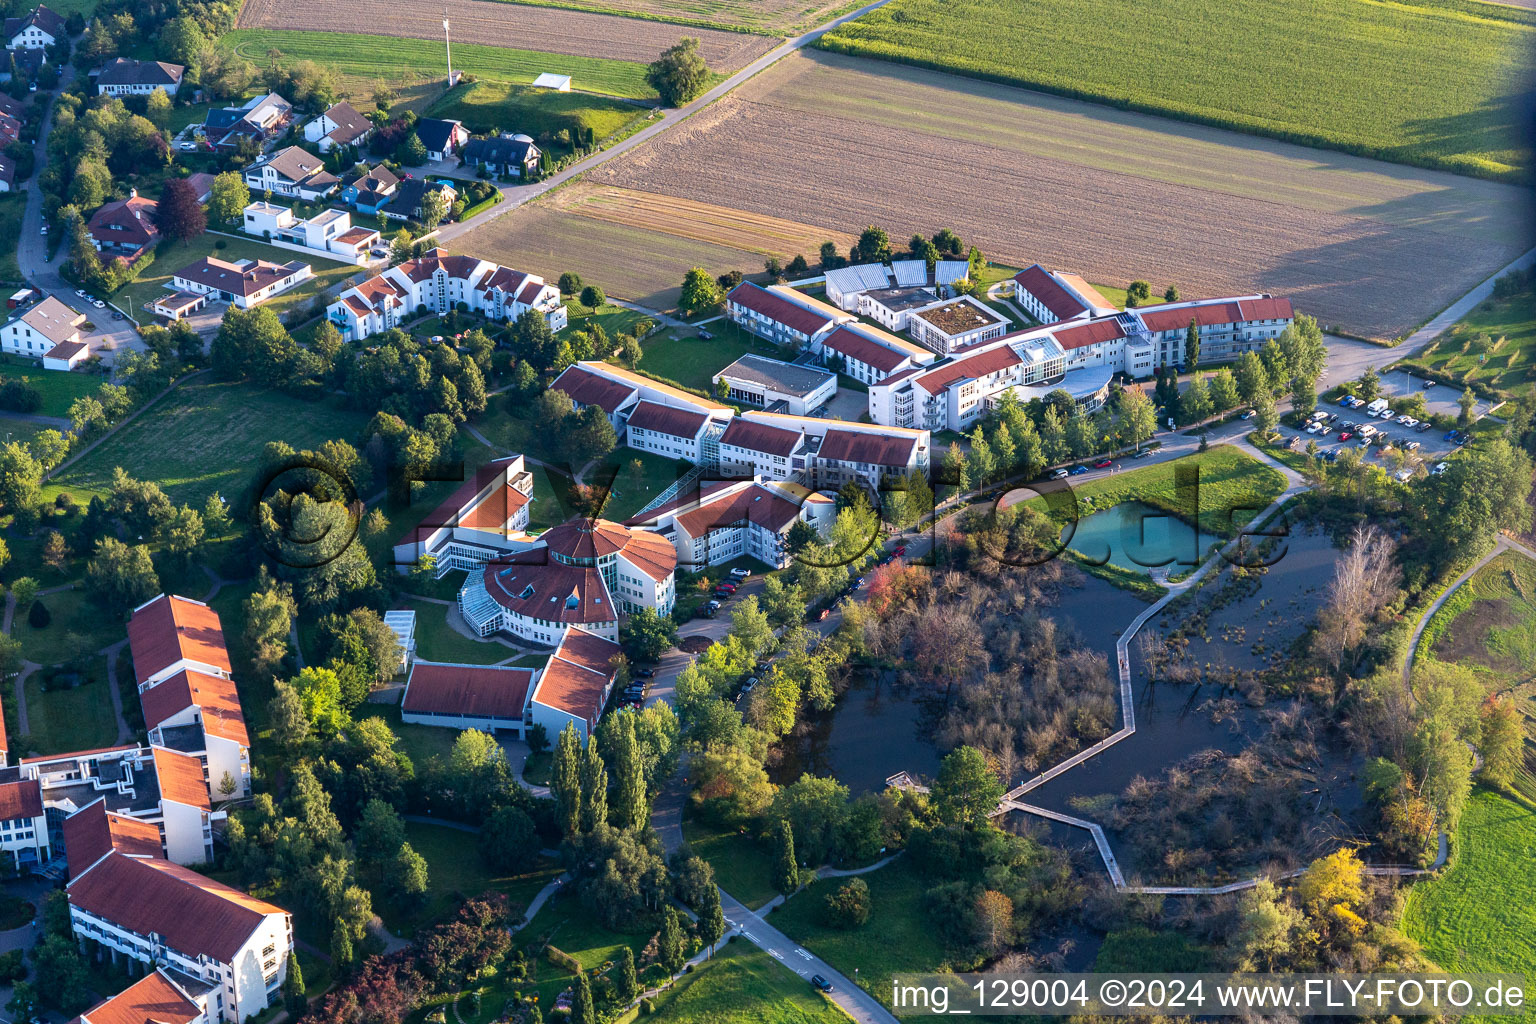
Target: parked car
(901, 549)
(1406, 420)
(1143, 453)
(1413, 446)
(1345, 400)
(821, 983)
(741, 574)
(1345, 435)
(1423, 426)
(1247, 414)
(1386, 414)
(98, 304)
(116, 315)
(1440, 469)
(1079, 470)
(45, 229)
(1313, 428)
(1325, 432)
(1428, 384)
(1060, 474)
(726, 585)
(1103, 463)
(81, 293)
(752, 682)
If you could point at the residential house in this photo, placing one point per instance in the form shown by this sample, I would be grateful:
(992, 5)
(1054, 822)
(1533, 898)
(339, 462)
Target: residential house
(37, 30)
(259, 119)
(438, 282)
(508, 154)
(442, 139)
(124, 77)
(23, 822)
(168, 916)
(405, 202)
(125, 228)
(23, 63)
(329, 233)
(7, 173)
(244, 283)
(50, 328)
(340, 125)
(369, 192)
(292, 172)
(1049, 296)
(584, 572)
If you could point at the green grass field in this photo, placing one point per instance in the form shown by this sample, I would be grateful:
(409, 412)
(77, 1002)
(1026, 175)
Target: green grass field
(1489, 625)
(743, 866)
(77, 622)
(1476, 916)
(897, 938)
(694, 363)
(58, 389)
(743, 985)
(438, 641)
(1234, 487)
(153, 284)
(419, 742)
(219, 431)
(1435, 83)
(12, 205)
(370, 58)
(77, 719)
(1507, 361)
(498, 105)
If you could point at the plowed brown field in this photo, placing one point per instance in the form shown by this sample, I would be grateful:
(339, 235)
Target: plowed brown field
(1367, 247)
(703, 222)
(520, 26)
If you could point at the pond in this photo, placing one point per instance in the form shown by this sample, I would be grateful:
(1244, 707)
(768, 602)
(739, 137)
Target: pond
(1138, 537)
(878, 728)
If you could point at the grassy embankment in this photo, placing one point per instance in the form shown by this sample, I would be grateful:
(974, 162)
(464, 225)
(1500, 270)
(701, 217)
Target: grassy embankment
(1434, 83)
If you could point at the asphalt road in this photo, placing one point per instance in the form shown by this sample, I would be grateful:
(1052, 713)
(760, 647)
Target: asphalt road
(517, 195)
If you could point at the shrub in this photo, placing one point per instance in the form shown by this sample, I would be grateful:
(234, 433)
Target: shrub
(39, 617)
(848, 905)
(592, 297)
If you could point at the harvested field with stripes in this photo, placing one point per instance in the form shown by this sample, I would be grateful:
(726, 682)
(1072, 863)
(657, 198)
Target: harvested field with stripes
(1369, 248)
(546, 29)
(772, 16)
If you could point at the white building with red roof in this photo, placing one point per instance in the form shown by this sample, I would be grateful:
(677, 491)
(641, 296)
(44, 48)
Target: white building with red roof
(584, 572)
(438, 282)
(782, 315)
(1049, 296)
(718, 522)
(619, 392)
(490, 698)
(870, 355)
(575, 684)
(190, 701)
(124, 228)
(486, 517)
(23, 820)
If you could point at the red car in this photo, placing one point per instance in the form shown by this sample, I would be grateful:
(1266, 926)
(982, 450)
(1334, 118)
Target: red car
(1104, 464)
(900, 551)
(728, 587)
(1346, 435)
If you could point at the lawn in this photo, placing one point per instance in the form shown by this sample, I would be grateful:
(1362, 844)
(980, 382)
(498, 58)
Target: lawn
(692, 363)
(391, 58)
(75, 719)
(1476, 916)
(174, 256)
(218, 432)
(59, 390)
(498, 105)
(18, 429)
(897, 938)
(614, 320)
(743, 985)
(1489, 625)
(743, 866)
(419, 742)
(1233, 489)
(1435, 83)
(632, 488)
(454, 869)
(1505, 361)
(77, 623)
(438, 641)
(12, 205)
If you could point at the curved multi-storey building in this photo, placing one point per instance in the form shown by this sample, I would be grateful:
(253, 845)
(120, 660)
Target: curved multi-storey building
(584, 572)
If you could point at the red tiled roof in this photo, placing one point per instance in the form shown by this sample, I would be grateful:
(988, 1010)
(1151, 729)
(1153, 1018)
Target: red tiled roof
(588, 388)
(215, 695)
(150, 1000)
(586, 538)
(529, 292)
(1207, 314)
(247, 280)
(1266, 309)
(20, 799)
(181, 778)
(754, 504)
(1038, 282)
(778, 309)
(471, 690)
(456, 509)
(533, 585)
(505, 278)
(66, 350)
(971, 367)
(172, 628)
(859, 446)
(578, 675)
(857, 345)
(127, 222)
(193, 914)
(652, 555)
(664, 419)
(1091, 332)
(421, 269)
(760, 437)
(92, 832)
(356, 235)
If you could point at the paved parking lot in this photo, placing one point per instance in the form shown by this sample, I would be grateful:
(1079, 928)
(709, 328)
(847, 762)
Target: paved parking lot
(1439, 399)
(1432, 444)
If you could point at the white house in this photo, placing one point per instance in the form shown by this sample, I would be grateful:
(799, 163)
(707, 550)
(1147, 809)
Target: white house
(328, 233)
(124, 77)
(441, 138)
(869, 355)
(722, 521)
(159, 997)
(23, 821)
(244, 283)
(162, 914)
(48, 330)
(1049, 296)
(439, 282)
(340, 125)
(670, 431)
(38, 29)
(292, 172)
(782, 315)
(575, 684)
(846, 286)
(951, 324)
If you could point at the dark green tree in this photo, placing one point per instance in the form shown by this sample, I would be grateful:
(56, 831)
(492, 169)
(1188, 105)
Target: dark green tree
(679, 75)
(786, 869)
(293, 989)
(1192, 345)
(565, 781)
